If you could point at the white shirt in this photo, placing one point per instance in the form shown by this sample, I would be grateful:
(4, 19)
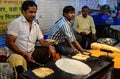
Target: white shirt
(26, 38)
(84, 24)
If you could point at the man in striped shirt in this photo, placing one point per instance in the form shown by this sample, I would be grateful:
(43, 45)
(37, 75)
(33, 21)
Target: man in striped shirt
(62, 32)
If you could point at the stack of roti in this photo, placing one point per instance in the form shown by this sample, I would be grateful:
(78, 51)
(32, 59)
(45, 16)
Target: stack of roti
(42, 72)
(50, 41)
(80, 57)
(104, 46)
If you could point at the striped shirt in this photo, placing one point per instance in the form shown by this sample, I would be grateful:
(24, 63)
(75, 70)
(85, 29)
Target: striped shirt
(61, 31)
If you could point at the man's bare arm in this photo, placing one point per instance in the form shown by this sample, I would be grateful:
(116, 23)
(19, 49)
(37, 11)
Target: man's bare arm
(77, 45)
(10, 42)
(51, 49)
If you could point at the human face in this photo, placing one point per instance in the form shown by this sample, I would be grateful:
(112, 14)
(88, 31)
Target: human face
(70, 15)
(30, 13)
(85, 12)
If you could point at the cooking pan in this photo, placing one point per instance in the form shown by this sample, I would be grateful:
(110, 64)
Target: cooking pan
(73, 66)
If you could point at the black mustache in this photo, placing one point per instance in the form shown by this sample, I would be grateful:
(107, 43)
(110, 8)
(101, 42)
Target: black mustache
(32, 17)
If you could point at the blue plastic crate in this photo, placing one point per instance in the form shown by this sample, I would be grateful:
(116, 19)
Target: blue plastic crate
(117, 21)
(3, 41)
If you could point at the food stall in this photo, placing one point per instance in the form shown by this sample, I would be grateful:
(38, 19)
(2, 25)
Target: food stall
(99, 69)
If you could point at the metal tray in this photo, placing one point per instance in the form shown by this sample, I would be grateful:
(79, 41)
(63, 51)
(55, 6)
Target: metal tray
(109, 41)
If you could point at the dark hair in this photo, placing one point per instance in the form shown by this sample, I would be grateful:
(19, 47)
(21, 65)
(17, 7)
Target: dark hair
(26, 5)
(68, 9)
(85, 7)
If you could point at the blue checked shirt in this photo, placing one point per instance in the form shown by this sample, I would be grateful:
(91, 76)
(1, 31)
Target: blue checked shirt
(62, 30)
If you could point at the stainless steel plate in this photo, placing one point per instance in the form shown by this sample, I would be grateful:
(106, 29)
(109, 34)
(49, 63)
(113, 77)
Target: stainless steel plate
(109, 41)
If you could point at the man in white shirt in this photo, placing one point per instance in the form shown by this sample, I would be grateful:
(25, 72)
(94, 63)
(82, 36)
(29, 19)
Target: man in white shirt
(22, 34)
(84, 26)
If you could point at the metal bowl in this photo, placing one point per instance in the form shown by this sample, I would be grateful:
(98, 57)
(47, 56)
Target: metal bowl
(109, 41)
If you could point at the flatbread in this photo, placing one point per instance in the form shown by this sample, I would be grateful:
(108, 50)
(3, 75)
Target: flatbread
(50, 41)
(104, 46)
(42, 72)
(80, 57)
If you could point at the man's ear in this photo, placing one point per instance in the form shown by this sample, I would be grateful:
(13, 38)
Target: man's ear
(23, 11)
(64, 14)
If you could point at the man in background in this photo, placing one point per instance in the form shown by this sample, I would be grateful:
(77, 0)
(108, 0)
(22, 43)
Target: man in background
(84, 26)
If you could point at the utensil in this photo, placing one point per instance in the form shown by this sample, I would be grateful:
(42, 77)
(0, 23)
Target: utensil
(78, 68)
(106, 57)
(38, 64)
(109, 41)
